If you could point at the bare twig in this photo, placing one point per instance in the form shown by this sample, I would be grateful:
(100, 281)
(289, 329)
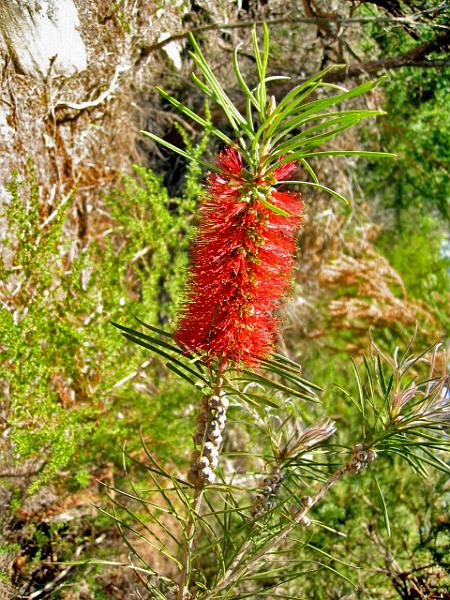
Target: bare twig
(416, 57)
(338, 20)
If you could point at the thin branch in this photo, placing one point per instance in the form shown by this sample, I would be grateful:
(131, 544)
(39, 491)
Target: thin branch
(235, 572)
(416, 57)
(196, 504)
(338, 20)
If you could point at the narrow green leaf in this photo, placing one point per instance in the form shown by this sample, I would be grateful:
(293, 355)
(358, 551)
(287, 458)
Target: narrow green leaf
(249, 376)
(195, 117)
(155, 329)
(352, 153)
(310, 170)
(360, 396)
(383, 503)
(272, 207)
(139, 334)
(305, 139)
(179, 151)
(181, 374)
(317, 185)
(205, 89)
(289, 376)
(241, 80)
(309, 117)
(172, 359)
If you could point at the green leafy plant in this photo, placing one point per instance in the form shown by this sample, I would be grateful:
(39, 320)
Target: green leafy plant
(64, 376)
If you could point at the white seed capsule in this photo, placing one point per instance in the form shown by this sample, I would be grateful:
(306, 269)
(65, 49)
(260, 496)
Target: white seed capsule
(268, 489)
(224, 402)
(305, 521)
(222, 424)
(217, 441)
(214, 461)
(207, 475)
(203, 462)
(214, 402)
(213, 434)
(208, 449)
(371, 455)
(361, 455)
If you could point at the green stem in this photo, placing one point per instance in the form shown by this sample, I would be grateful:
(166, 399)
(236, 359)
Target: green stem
(195, 508)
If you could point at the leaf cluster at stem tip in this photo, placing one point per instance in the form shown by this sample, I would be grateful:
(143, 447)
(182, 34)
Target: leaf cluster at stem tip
(269, 135)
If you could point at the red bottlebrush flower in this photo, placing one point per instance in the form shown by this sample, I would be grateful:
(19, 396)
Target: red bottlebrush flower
(241, 263)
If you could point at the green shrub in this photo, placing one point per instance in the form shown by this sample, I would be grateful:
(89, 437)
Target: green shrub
(62, 365)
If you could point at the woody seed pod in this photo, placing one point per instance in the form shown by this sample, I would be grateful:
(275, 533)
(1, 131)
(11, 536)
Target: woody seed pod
(203, 462)
(214, 402)
(214, 461)
(193, 476)
(209, 449)
(198, 438)
(207, 475)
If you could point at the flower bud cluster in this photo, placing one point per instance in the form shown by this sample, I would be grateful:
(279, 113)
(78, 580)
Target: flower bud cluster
(360, 458)
(267, 492)
(208, 439)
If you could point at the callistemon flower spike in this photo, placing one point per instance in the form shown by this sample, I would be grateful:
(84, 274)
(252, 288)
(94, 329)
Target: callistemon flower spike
(241, 263)
(242, 257)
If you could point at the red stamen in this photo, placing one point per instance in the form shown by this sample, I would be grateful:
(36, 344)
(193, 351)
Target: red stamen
(241, 264)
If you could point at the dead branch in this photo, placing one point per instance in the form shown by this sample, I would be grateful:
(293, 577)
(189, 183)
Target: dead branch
(416, 57)
(412, 20)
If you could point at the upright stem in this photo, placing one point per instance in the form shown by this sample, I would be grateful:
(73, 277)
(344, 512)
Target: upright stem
(189, 540)
(210, 420)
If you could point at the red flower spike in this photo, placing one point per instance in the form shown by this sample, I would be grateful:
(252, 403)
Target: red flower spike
(241, 264)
